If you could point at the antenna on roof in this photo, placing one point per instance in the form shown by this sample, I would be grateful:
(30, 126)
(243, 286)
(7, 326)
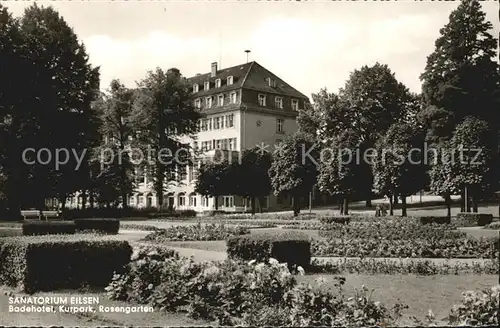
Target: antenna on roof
(247, 51)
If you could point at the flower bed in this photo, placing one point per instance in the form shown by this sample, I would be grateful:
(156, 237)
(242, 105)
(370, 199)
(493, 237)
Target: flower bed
(420, 248)
(236, 293)
(403, 230)
(196, 232)
(417, 267)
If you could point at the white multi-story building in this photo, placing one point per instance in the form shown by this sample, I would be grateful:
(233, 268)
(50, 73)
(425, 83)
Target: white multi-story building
(244, 106)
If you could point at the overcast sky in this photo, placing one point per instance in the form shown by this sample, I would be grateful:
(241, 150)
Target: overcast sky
(310, 45)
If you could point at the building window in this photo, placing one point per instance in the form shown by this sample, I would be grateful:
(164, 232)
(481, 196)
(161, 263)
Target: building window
(196, 88)
(278, 101)
(279, 125)
(207, 85)
(131, 200)
(197, 103)
(230, 121)
(271, 82)
(204, 201)
(262, 100)
(232, 97)
(229, 80)
(182, 200)
(225, 143)
(190, 173)
(192, 200)
(228, 201)
(209, 102)
(217, 123)
(217, 83)
(218, 144)
(141, 200)
(204, 124)
(220, 100)
(210, 123)
(295, 104)
(232, 144)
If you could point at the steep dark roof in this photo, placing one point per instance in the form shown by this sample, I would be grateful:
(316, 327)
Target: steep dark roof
(251, 76)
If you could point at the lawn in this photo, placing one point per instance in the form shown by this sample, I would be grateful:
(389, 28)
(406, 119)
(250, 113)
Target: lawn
(420, 293)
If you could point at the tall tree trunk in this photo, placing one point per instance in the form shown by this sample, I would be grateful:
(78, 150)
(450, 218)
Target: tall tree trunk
(91, 199)
(346, 205)
(447, 200)
(469, 205)
(216, 202)
(252, 204)
(391, 206)
(474, 204)
(462, 201)
(396, 199)
(124, 201)
(368, 203)
(341, 206)
(403, 207)
(296, 205)
(261, 205)
(84, 199)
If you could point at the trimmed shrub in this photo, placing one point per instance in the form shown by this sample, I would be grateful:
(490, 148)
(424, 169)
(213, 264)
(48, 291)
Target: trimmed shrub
(292, 248)
(473, 219)
(106, 226)
(32, 228)
(45, 263)
(435, 220)
(173, 214)
(335, 219)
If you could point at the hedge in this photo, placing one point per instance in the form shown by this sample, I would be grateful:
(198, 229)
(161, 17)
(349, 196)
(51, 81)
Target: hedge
(45, 263)
(473, 219)
(335, 219)
(435, 219)
(31, 228)
(292, 248)
(107, 226)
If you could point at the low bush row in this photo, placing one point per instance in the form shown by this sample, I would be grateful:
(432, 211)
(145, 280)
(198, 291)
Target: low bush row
(484, 248)
(434, 220)
(398, 267)
(44, 263)
(473, 219)
(197, 232)
(71, 214)
(291, 248)
(242, 294)
(493, 226)
(105, 226)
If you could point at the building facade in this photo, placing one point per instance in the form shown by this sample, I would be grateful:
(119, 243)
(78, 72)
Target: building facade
(243, 107)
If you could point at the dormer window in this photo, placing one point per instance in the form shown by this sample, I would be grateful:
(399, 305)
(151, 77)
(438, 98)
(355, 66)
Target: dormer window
(218, 83)
(271, 82)
(207, 86)
(278, 101)
(262, 100)
(196, 87)
(197, 103)
(229, 80)
(208, 102)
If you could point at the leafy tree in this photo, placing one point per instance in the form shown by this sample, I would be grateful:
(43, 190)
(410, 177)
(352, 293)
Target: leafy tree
(117, 129)
(63, 90)
(342, 172)
(251, 176)
(474, 157)
(215, 179)
(441, 174)
(462, 75)
(294, 168)
(376, 100)
(398, 168)
(163, 114)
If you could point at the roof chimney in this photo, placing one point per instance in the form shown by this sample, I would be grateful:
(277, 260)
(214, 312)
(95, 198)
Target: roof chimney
(214, 69)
